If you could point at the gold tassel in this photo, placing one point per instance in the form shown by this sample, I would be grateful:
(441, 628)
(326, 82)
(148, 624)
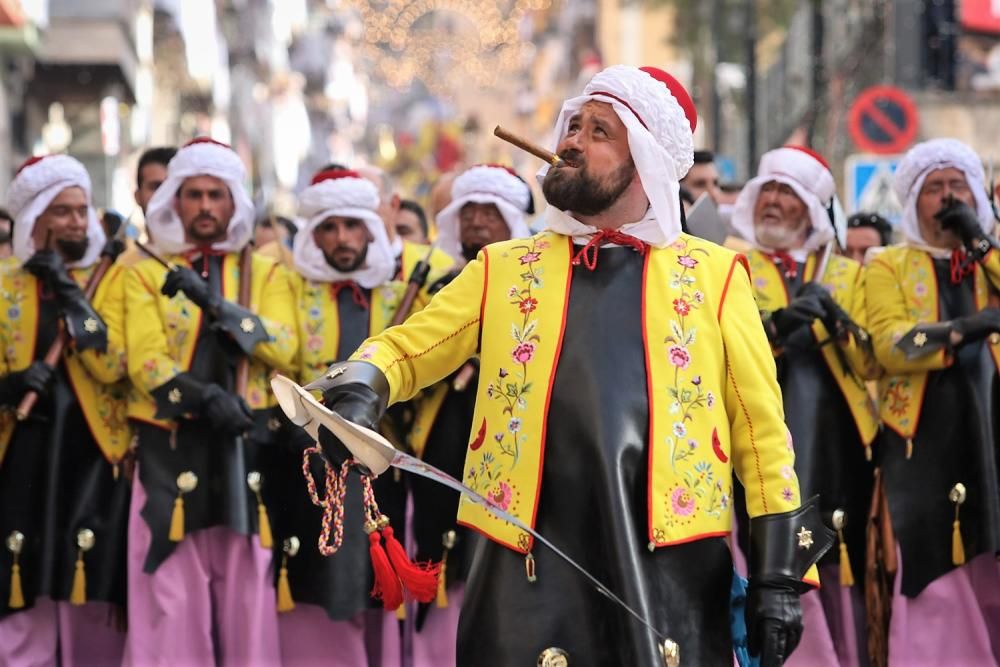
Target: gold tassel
(285, 601)
(177, 520)
(16, 600)
(78, 595)
(529, 568)
(442, 593)
(909, 448)
(264, 525)
(401, 612)
(957, 548)
(846, 573)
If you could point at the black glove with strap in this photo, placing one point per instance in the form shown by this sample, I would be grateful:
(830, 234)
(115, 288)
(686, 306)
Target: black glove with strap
(182, 394)
(801, 311)
(962, 219)
(357, 391)
(37, 377)
(782, 549)
(83, 324)
(244, 327)
(925, 339)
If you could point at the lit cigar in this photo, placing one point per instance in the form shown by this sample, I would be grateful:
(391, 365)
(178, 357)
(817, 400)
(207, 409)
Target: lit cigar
(527, 146)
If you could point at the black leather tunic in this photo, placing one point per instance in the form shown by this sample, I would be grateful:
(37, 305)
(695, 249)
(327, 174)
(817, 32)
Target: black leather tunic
(593, 506)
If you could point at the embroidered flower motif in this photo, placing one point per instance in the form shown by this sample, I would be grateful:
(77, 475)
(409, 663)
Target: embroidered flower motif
(541, 245)
(687, 261)
(681, 307)
(501, 495)
(693, 444)
(788, 494)
(788, 441)
(724, 501)
(787, 472)
(512, 292)
(314, 313)
(680, 245)
(709, 400)
(523, 353)
(498, 437)
(503, 373)
(696, 380)
(679, 429)
(514, 425)
(679, 356)
(369, 351)
(760, 283)
(699, 297)
(13, 312)
(489, 390)
(315, 344)
(920, 289)
(675, 407)
(529, 257)
(682, 501)
(528, 304)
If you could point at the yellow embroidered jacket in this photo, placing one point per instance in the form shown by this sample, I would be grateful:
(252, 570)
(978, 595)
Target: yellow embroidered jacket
(98, 379)
(845, 279)
(162, 331)
(902, 292)
(710, 380)
(441, 262)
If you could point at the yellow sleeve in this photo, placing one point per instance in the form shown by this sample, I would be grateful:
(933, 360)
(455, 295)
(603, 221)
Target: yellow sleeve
(762, 455)
(109, 366)
(433, 342)
(860, 354)
(276, 311)
(888, 321)
(148, 356)
(991, 265)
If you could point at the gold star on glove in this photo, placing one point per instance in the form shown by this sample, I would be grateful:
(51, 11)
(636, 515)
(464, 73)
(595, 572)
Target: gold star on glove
(805, 538)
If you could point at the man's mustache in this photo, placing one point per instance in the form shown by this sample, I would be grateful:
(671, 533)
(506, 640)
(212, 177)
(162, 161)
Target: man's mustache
(206, 216)
(573, 158)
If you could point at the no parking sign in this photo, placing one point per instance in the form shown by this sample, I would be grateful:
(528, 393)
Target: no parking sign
(883, 120)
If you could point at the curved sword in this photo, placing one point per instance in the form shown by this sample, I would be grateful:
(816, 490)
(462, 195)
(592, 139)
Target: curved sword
(376, 454)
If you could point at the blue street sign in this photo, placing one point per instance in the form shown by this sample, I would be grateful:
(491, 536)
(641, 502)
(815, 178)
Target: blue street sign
(869, 185)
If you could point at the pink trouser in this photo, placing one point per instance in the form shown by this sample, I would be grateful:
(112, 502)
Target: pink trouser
(954, 621)
(830, 631)
(82, 636)
(309, 637)
(436, 642)
(211, 602)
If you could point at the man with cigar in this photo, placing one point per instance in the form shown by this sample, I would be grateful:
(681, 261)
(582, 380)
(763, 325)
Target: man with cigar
(812, 305)
(632, 479)
(197, 500)
(932, 312)
(344, 293)
(63, 499)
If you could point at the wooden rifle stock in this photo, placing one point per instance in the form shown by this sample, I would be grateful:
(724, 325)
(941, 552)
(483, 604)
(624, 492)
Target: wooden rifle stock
(416, 282)
(243, 299)
(55, 350)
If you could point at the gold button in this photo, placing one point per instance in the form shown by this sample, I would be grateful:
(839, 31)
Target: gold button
(15, 542)
(920, 339)
(174, 396)
(90, 325)
(187, 481)
(85, 539)
(553, 657)
(254, 480)
(805, 538)
(247, 325)
(291, 546)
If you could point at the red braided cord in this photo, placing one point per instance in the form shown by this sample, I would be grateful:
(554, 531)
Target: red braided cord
(332, 504)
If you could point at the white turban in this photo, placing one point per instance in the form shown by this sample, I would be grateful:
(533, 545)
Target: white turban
(484, 184)
(660, 118)
(34, 187)
(930, 156)
(808, 174)
(343, 194)
(201, 157)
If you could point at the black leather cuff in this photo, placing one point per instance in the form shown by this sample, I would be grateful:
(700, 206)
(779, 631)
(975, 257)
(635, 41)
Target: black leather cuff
(347, 373)
(925, 339)
(85, 326)
(784, 546)
(177, 396)
(245, 327)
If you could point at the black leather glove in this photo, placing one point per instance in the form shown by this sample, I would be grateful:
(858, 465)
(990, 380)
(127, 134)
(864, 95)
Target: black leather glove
(442, 282)
(225, 411)
(195, 288)
(113, 248)
(83, 324)
(977, 327)
(962, 219)
(800, 312)
(37, 377)
(357, 391)
(782, 549)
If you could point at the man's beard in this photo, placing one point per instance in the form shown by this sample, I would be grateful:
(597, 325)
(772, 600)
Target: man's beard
(581, 192)
(72, 251)
(471, 251)
(201, 238)
(5, 234)
(348, 266)
(777, 238)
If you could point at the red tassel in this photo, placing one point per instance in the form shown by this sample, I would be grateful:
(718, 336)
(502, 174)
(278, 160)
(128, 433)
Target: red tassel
(419, 579)
(387, 585)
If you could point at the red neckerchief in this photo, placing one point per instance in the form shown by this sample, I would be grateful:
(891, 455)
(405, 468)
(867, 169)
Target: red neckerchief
(356, 293)
(204, 252)
(788, 264)
(588, 253)
(962, 265)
